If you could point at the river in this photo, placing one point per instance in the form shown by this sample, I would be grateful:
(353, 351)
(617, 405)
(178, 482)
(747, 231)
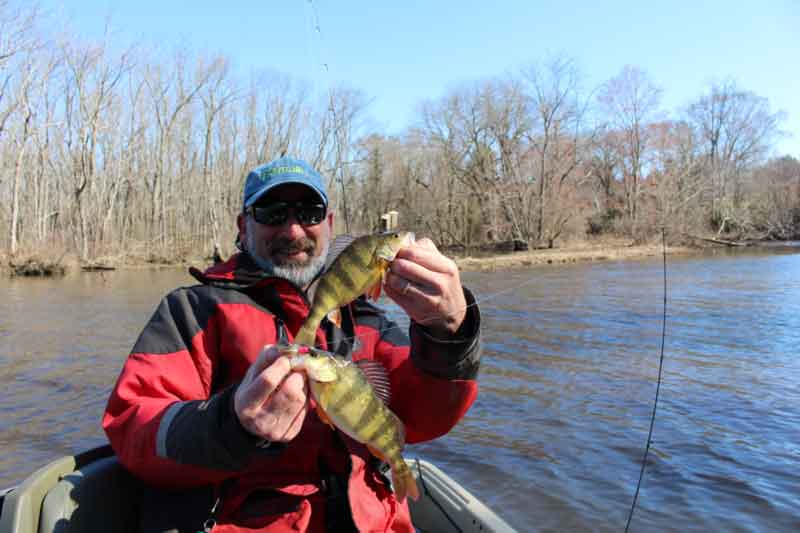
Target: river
(556, 438)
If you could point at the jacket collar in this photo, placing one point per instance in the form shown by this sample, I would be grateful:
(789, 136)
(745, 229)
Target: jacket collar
(238, 272)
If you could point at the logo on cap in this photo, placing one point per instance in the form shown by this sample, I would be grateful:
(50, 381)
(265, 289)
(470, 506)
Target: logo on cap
(266, 173)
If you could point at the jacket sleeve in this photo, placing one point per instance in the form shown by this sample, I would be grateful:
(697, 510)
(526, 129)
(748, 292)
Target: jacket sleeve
(433, 380)
(161, 419)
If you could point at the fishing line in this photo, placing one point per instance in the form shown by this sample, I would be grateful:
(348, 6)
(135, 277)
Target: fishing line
(433, 499)
(481, 300)
(660, 366)
(658, 383)
(311, 49)
(336, 125)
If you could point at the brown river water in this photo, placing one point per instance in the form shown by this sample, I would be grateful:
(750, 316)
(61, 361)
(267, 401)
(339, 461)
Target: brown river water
(556, 437)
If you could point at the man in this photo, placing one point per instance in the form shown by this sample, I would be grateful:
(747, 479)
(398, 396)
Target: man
(205, 402)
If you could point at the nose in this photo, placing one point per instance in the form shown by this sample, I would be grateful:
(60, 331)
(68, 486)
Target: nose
(292, 227)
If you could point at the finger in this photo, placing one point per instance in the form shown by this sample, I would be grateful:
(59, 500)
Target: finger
(399, 286)
(419, 302)
(296, 417)
(268, 354)
(291, 393)
(418, 274)
(296, 425)
(286, 408)
(431, 259)
(427, 244)
(264, 359)
(266, 382)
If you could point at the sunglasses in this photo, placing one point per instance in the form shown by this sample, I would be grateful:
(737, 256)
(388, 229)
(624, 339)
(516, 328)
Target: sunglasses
(277, 213)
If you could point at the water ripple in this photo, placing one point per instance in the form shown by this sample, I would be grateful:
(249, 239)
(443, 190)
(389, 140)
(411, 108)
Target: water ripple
(555, 439)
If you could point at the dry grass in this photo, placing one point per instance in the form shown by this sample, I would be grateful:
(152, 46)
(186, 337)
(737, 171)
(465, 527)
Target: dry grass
(34, 265)
(52, 262)
(572, 253)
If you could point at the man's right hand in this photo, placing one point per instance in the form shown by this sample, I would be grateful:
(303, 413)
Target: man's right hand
(271, 401)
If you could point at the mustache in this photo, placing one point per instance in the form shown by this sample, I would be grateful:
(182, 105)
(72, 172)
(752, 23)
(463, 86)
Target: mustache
(288, 246)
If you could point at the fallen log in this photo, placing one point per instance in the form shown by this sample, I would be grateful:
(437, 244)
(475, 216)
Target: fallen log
(97, 268)
(719, 241)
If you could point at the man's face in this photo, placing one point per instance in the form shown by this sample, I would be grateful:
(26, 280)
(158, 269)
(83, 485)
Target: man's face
(290, 250)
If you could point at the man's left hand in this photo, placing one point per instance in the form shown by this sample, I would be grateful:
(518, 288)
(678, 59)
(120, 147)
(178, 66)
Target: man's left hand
(427, 285)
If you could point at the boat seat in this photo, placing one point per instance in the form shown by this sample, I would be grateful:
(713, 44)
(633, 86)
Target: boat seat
(99, 497)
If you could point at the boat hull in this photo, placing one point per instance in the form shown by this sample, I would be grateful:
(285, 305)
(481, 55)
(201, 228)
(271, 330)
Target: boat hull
(92, 492)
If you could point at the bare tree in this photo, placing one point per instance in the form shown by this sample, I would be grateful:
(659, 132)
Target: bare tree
(604, 168)
(17, 39)
(345, 108)
(480, 132)
(148, 161)
(170, 94)
(216, 95)
(90, 84)
(24, 98)
(736, 129)
(557, 146)
(630, 102)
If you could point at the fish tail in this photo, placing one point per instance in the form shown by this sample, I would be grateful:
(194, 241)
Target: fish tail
(403, 481)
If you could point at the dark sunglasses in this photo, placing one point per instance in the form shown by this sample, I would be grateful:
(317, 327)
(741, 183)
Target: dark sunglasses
(277, 213)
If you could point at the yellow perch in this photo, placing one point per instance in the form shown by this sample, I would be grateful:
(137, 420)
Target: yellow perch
(353, 397)
(359, 269)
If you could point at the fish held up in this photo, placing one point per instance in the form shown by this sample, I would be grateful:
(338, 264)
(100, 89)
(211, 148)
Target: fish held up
(353, 397)
(358, 269)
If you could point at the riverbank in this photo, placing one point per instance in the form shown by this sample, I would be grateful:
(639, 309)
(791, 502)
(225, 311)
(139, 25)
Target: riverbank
(40, 264)
(576, 253)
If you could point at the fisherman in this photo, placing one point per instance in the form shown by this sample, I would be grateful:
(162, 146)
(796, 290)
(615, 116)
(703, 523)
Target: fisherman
(208, 412)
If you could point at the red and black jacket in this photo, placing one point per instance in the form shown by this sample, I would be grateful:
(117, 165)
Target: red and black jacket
(170, 416)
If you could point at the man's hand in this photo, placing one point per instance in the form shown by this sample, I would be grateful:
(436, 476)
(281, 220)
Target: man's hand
(427, 285)
(271, 401)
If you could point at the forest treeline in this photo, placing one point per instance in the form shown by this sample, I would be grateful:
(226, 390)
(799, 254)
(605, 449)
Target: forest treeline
(112, 152)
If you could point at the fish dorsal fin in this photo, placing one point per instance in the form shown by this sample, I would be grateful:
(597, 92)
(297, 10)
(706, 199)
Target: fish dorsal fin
(377, 376)
(336, 248)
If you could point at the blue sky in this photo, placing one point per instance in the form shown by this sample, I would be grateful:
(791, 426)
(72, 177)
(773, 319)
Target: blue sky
(402, 53)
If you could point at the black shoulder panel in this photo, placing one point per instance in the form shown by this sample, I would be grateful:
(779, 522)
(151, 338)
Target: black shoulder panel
(181, 315)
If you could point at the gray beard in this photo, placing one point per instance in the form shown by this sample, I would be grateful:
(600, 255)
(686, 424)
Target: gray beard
(300, 275)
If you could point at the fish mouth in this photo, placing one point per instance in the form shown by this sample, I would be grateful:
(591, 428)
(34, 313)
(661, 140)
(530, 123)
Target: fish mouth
(409, 239)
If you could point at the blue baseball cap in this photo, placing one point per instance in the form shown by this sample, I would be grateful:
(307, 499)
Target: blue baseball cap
(281, 171)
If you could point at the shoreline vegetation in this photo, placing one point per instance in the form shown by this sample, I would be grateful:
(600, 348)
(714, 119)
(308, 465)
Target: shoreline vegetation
(49, 264)
(115, 157)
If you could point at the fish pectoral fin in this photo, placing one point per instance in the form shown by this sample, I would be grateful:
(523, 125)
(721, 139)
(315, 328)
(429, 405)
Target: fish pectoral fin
(378, 377)
(374, 292)
(324, 417)
(335, 317)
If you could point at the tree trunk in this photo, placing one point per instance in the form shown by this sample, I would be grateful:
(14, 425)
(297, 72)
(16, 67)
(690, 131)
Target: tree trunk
(18, 184)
